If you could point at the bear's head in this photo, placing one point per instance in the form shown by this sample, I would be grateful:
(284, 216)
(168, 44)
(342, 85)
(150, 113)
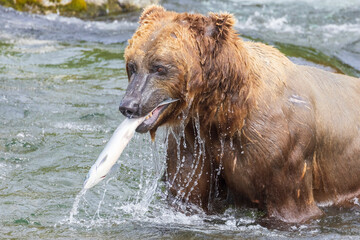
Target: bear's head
(183, 57)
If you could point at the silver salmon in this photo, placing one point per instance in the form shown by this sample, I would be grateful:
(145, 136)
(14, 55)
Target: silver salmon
(114, 148)
(112, 151)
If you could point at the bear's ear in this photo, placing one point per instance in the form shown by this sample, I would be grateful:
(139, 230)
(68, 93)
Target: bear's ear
(149, 11)
(221, 25)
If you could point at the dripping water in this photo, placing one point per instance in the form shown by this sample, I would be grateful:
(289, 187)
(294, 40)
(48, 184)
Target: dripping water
(180, 161)
(74, 210)
(201, 157)
(220, 167)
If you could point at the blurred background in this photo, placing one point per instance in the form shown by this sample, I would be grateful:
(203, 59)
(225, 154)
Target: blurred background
(62, 78)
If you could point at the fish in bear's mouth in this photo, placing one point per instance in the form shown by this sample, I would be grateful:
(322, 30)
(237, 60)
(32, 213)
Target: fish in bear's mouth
(154, 115)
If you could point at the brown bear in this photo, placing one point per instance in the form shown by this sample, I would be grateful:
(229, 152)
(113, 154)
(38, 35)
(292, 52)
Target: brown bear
(249, 126)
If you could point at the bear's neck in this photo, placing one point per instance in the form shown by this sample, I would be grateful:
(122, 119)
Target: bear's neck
(229, 86)
(234, 79)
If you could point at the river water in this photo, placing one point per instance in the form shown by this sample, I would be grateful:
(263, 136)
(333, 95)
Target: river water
(61, 83)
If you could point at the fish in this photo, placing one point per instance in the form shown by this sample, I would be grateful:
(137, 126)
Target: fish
(115, 146)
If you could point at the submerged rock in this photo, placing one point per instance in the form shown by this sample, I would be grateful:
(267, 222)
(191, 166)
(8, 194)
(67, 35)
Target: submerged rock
(78, 8)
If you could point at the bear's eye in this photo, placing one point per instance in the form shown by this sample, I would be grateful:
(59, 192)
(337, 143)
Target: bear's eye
(161, 70)
(131, 69)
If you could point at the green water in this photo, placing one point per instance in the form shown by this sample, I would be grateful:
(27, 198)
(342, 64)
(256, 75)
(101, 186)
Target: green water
(61, 81)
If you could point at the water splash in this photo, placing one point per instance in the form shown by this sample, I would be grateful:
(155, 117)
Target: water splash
(356, 201)
(148, 208)
(97, 213)
(74, 210)
(152, 184)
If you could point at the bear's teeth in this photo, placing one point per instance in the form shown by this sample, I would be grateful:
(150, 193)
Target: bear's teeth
(149, 116)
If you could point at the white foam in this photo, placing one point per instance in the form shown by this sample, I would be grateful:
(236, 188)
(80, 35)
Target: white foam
(335, 29)
(324, 4)
(95, 25)
(281, 24)
(325, 203)
(356, 201)
(259, 22)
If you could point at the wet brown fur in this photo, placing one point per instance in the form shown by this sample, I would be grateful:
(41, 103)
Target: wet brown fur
(285, 137)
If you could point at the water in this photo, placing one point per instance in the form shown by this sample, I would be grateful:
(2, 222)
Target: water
(61, 83)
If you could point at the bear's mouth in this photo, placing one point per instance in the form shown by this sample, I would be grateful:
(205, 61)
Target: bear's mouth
(154, 115)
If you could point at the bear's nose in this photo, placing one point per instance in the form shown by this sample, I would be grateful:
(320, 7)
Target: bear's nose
(129, 108)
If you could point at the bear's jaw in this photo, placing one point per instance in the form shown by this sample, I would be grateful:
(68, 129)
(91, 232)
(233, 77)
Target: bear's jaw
(151, 119)
(154, 115)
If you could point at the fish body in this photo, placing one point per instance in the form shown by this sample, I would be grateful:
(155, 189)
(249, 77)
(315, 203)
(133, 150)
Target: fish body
(112, 151)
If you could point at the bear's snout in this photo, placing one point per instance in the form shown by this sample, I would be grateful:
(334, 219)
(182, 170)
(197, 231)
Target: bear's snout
(129, 107)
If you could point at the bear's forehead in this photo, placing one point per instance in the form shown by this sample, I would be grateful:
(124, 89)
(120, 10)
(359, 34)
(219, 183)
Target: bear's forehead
(158, 38)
